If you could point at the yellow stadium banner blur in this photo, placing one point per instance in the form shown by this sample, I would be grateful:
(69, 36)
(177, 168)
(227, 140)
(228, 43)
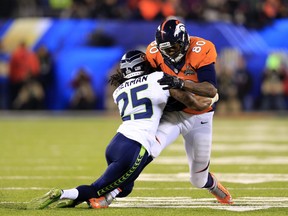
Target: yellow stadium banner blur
(29, 30)
(60, 4)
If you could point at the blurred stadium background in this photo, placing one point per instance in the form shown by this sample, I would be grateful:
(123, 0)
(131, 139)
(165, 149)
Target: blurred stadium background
(84, 40)
(81, 41)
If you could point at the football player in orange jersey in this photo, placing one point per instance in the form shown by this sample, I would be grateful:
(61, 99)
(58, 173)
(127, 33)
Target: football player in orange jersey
(188, 64)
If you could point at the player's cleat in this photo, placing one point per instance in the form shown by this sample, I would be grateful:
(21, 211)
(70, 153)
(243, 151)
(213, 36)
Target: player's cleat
(101, 202)
(44, 201)
(66, 203)
(220, 192)
(97, 203)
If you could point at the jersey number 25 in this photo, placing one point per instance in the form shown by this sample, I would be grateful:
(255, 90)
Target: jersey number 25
(135, 102)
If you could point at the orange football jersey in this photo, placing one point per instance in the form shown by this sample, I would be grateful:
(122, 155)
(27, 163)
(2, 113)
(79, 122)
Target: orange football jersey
(201, 52)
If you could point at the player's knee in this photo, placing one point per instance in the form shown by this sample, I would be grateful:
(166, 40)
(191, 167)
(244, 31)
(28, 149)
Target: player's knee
(202, 149)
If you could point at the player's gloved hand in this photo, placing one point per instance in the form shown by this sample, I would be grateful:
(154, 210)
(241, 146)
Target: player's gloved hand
(171, 82)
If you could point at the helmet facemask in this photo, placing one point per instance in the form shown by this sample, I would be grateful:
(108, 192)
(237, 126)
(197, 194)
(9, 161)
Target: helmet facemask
(173, 52)
(133, 64)
(172, 40)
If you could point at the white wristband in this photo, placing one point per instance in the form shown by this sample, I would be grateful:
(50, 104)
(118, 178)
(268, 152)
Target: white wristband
(214, 99)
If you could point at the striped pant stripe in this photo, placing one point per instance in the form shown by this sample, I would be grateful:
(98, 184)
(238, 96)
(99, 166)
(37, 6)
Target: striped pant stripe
(125, 176)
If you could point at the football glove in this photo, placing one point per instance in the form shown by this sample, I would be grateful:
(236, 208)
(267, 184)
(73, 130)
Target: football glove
(171, 82)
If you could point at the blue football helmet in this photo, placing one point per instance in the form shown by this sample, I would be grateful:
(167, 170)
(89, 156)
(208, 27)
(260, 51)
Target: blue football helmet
(172, 40)
(133, 64)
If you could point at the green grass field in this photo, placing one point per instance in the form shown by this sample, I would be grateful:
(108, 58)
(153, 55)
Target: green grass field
(249, 156)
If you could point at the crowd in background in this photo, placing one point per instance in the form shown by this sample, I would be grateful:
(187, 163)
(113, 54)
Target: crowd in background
(235, 83)
(31, 74)
(251, 13)
(31, 77)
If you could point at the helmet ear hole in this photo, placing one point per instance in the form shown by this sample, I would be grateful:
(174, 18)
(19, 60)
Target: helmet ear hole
(169, 34)
(133, 64)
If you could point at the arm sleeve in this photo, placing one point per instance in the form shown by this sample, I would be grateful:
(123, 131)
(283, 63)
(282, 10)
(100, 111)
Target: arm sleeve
(207, 74)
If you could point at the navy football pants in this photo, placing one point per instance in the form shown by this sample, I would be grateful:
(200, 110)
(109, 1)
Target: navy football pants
(126, 159)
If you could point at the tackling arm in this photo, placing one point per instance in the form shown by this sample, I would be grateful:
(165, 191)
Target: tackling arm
(205, 89)
(190, 100)
(207, 82)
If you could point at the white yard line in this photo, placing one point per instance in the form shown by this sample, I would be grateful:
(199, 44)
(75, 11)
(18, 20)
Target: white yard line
(23, 188)
(179, 160)
(241, 204)
(150, 188)
(235, 160)
(42, 168)
(242, 178)
(253, 137)
(45, 177)
(243, 147)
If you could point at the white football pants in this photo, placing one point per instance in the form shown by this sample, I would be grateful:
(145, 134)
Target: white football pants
(197, 133)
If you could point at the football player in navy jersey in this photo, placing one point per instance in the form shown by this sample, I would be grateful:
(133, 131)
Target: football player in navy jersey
(141, 101)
